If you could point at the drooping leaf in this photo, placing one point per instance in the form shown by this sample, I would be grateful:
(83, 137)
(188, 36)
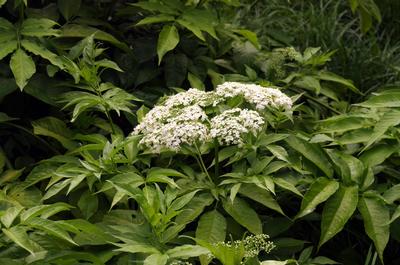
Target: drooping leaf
(337, 211)
(18, 235)
(243, 214)
(167, 41)
(376, 219)
(320, 190)
(211, 227)
(7, 48)
(261, 196)
(312, 152)
(22, 67)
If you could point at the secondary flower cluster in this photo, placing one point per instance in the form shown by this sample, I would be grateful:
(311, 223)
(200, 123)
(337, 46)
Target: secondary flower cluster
(195, 116)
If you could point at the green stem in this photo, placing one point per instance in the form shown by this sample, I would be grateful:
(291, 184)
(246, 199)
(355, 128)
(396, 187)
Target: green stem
(216, 157)
(201, 163)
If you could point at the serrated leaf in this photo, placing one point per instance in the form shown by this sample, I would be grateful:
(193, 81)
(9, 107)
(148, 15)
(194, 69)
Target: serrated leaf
(7, 48)
(19, 236)
(50, 227)
(41, 51)
(22, 67)
(337, 211)
(320, 190)
(312, 152)
(211, 227)
(376, 218)
(39, 27)
(243, 214)
(8, 217)
(167, 41)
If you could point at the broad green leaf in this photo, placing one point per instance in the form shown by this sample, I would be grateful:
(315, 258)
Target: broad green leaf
(389, 119)
(329, 76)
(312, 152)
(320, 190)
(243, 214)
(250, 36)
(377, 154)
(187, 251)
(156, 259)
(55, 128)
(39, 27)
(261, 196)
(7, 48)
(50, 227)
(337, 211)
(392, 194)
(155, 19)
(203, 19)
(376, 217)
(284, 184)
(44, 211)
(8, 217)
(192, 27)
(167, 41)
(68, 8)
(19, 236)
(22, 67)
(88, 204)
(395, 215)
(37, 49)
(389, 99)
(211, 227)
(343, 123)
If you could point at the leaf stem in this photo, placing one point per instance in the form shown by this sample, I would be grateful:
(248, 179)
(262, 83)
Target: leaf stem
(201, 163)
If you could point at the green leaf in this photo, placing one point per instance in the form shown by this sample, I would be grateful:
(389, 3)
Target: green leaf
(88, 204)
(39, 27)
(156, 259)
(377, 154)
(19, 236)
(23, 67)
(192, 27)
(211, 227)
(312, 152)
(187, 251)
(37, 49)
(167, 41)
(2, 2)
(284, 184)
(388, 99)
(9, 215)
(337, 211)
(155, 19)
(329, 76)
(68, 8)
(389, 119)
(55, 128)
(50, 227)
(250, 36)
(376, 217)
(321, 189)
(10, 175)
(7, 48)
(261, 196)
(243, 214)
(82, 31)
(392, 194)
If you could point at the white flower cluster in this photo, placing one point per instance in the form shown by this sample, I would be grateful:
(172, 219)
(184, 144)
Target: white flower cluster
(230, 125)
(181, 118)
(257, 95)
